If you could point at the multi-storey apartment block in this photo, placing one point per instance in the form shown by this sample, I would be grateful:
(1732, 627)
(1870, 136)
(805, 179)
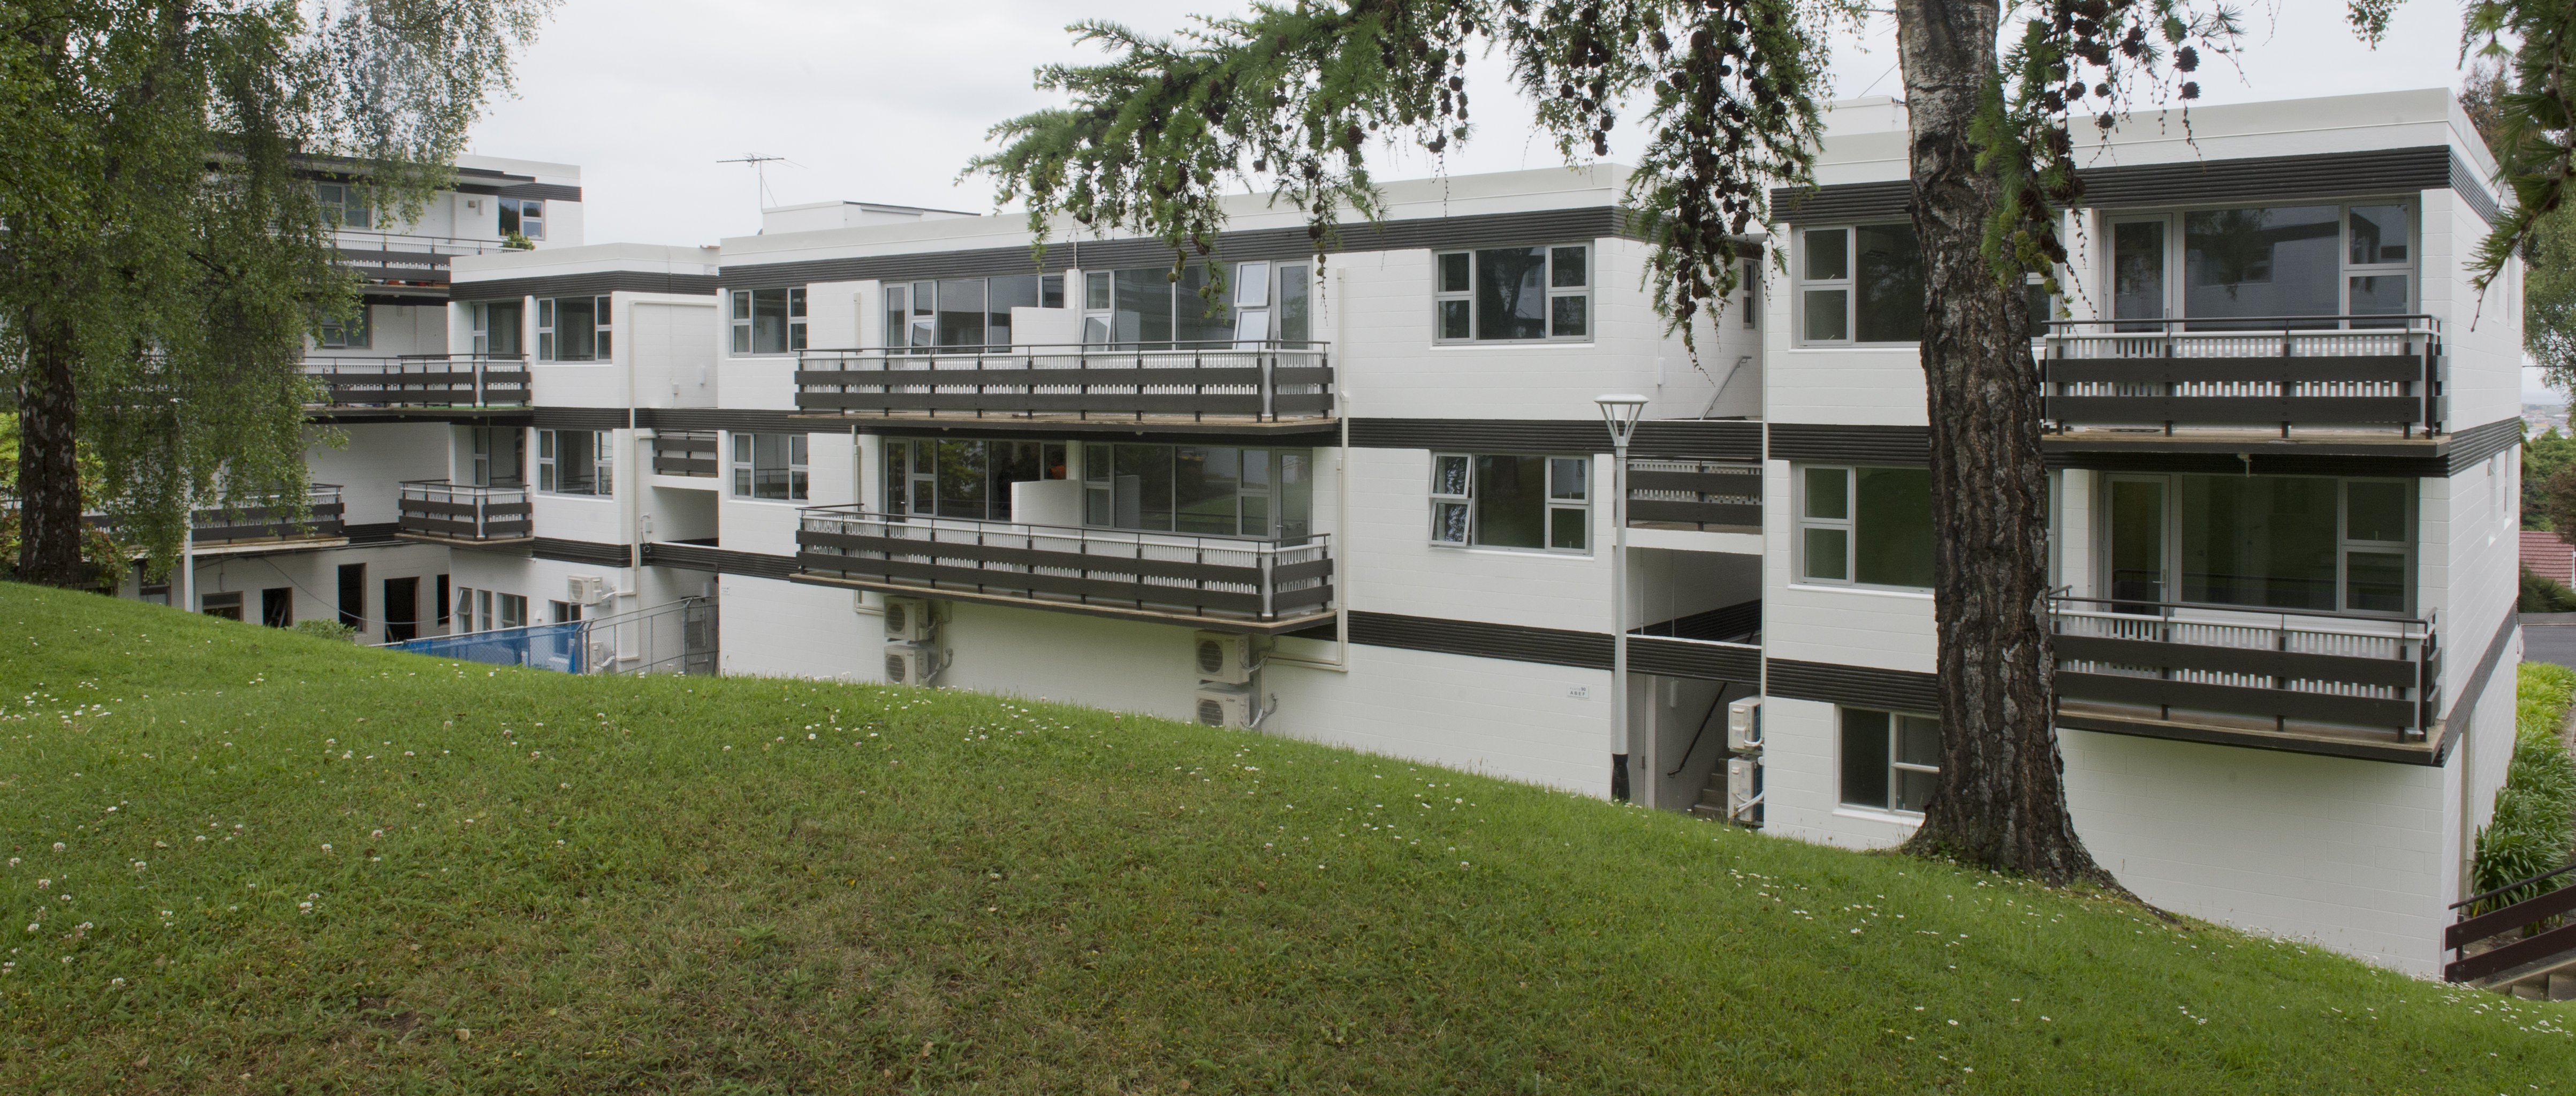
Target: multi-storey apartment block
(1369, 499)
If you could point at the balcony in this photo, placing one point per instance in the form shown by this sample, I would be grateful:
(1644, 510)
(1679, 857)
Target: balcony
(1704, 495)
(273, 524)
(1255, 384)
(2309, 682)
(1225, 582)
(420, 382)
(684, 453)
(457, 513)
(2159, 375)
(399, 261)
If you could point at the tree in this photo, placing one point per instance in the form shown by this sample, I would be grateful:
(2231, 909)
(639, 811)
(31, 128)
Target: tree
(163, 254)
(2543, 455)
(2548, 256)
(1285, 100)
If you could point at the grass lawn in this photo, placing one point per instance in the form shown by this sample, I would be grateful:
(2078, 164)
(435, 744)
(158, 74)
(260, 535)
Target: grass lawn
(240, 860)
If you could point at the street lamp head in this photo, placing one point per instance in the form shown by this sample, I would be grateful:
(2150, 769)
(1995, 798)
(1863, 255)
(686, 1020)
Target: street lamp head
(1621, 412)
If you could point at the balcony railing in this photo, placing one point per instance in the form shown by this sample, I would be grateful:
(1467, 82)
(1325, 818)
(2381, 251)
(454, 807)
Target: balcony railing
(1244, 381)
(441, 510)
(420, 382)
(400, 258)
(2278, 371)
(1162, 573)
(1697, 493)
(684, 453)
(274, 522)
(2247, 669)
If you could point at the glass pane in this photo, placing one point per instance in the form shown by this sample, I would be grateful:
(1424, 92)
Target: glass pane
(576, 330)
(1001, 296)
(1013, 462)
(1453, 272)
(1918, 740)
(1511, 501)
(1095, 331)
(2375, 582)
(2264, 541)
(1566, 268)
(1565, 528)
(2138, 540)
(1511, 296)
(2379, 295)
(1828, 493)
(1144, 312)
(1453, 320)
(1566, 476)
(1144, 487)
(1827, 314)
(1197, 319)
(895, 479)
(1054, 459)
(1252, 284)
(1095, 464)
(962, 478)
(1296, 310)
(1570, 317)
(1095, 291)
(2138, 270)
(1296, 493)
(1449, 475)
(2375, 510)
(1892, 527)
(1889, 305)
(1828, 256)
(1206, 478)
(741, 304)
(1449, 522)
(505, 321)
(1828, 555)
(769, 321)
(961, 312)
(2262, 262)
(1913, 790)
(2379, 234)
(1864, 758)
(1051, 291)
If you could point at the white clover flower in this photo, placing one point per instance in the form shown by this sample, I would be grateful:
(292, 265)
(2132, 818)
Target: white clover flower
(377, 833)
(326, 846)
(59, 846)
(44, 884)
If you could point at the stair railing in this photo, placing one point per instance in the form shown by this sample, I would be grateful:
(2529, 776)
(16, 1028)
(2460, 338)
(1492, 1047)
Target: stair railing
(2516, 918)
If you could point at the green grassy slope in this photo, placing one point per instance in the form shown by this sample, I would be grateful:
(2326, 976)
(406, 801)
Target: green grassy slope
(521, 881)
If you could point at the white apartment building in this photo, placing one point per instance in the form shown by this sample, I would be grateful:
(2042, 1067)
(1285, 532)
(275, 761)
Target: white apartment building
(1369, 501)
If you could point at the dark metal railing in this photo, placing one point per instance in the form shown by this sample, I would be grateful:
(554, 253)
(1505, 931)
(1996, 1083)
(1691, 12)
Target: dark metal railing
(2275, 664)
(1699, 493)
(685, 453)
(1258, 381)
(2280, 370)
(273, 520)
(2519, 920)
(465, 512)
(1219, 577)
(420, 381)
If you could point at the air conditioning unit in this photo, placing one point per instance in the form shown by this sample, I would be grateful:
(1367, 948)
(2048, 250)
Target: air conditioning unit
(909, 620)
(911, 663)
(1744, 725)
(1744, 791)
(585, 589)
(1226, 706)
(1224, 657)
(603, 655)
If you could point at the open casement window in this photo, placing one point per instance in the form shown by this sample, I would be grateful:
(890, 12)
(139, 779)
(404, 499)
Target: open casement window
(345, 205)
(770, 466)
(1890, 761)
(1512, 294)
(525, 216)
(2310, 543)
(1865, 526)
(768, 321)
(1859, 285)
(2253, 266)
(350, 332)
(1511, 501)
(574, 329)
(577, 462)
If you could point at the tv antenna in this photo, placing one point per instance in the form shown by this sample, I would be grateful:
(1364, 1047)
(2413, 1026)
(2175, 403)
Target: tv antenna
(760, 174)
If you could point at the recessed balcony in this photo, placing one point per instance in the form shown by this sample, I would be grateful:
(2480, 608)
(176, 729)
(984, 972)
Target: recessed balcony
(467, 514)
(1233, 583)
(2169, 377)
(420, 382)
(1704, 495)
(684, 453)
(2308, 682)
(1259, 385)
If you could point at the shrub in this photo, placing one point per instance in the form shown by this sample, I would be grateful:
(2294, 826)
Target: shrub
(327, 629)
(2542, 594)
(2534, 828)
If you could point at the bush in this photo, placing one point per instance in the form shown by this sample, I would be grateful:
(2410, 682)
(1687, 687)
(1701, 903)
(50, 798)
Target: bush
(2534, 828)
(2542, 594)
(327, 629)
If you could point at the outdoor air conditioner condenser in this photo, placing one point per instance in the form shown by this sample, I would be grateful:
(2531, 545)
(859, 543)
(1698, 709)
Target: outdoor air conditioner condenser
(585, 589)
(1224, 657)
(909, 620)
(910, 663)
(1744, 725)
(1229, 706)
(1744, 791)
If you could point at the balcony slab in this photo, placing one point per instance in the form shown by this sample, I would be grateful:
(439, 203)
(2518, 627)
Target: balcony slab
(2432, 750)
(1686, 539)
(1111, 612)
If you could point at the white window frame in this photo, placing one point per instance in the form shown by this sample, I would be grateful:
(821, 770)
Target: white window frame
(2345, 543)
(1896, 763)
(1442, 297)
(478, 319)
(1848, 525)
(746, 468)
(1442, 502)
(742, 320)
(1848, 285)
(2177, 250)
(603, 461)
(514, 608)
(602, 332)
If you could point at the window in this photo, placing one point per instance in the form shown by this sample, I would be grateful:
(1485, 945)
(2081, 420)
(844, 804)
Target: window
(2260, 542)
(768, 321)
(1752, 290)
(499, 456)
(573, 329)
(353, 595)
(769, 466)
(484, 619)
(966, 479)
(2257, 265)
(496, 328)
(514, 611)
(525, 216)
(226, 605)
(462, 620)
(565, 612)
(345, 204)
(1512, 293)
(964, 312)
(1865, 526)
(1862, 284)
(1149, 307)
(350, 332)
(1511, 501)
(1891, 761)
(577, 462)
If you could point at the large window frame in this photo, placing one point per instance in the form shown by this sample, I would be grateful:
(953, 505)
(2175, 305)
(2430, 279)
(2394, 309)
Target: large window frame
(1839, 541)
(1463, 486)
(942, 313)
(575, 329)
(345, 205)
(1469, 303)
(1833, 302)
(1887, 761)
(1267, 302)
(2359, 256)
(577, 462)
(2384, 562)
(772, 467)
(767, 321)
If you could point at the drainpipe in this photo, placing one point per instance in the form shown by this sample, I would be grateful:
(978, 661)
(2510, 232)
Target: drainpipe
(631, 485)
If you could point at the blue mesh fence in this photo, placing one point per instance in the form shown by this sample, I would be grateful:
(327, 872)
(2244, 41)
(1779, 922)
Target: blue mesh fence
(545, 646)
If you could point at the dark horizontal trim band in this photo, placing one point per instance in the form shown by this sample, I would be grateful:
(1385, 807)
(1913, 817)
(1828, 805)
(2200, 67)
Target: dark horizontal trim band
(2191, 182)
(579, 418)
(700, 557)
(1882, 445)
(1702, 439)
(591, 283)
(580, 551)
(552, 192)
(739, 420)
(381, 532)
(1858, 686)
(515, 416)
(1477, 639)
(1696, 659)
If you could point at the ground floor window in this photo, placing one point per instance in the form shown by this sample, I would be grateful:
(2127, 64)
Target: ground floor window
(1539, 503)
(514, 611)
(1891, 761)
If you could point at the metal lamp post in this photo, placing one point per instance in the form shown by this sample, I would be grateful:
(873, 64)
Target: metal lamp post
(1620, 412)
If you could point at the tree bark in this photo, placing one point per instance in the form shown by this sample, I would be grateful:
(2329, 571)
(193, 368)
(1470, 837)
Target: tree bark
(49, 490)
(2001, 802)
